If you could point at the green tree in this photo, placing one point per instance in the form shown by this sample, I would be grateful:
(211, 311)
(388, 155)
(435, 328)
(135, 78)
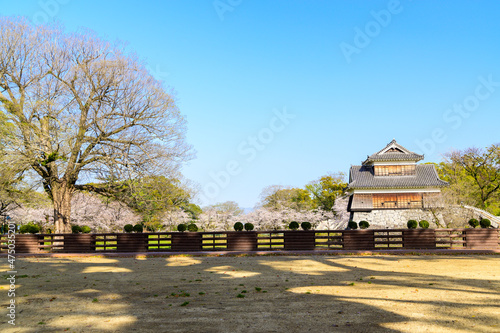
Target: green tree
(152, 196)
(326, 189)
(277, 197)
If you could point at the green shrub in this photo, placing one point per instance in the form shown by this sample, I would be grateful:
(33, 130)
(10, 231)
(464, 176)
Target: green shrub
(86, 229)
(412, 224)
(76, 229)
(364, 224)
(306, 225)
(238, 226)
(128, 228)
(352, 225)
(424, 224)
(24, 229)
(248, 226)
(138, 228)
(181, 227)
(485, 223)
(29, 228)
(474, 223)
(293, 225)
(192, 227)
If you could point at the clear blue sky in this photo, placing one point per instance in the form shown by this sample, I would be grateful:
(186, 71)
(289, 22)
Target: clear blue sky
(354, 75)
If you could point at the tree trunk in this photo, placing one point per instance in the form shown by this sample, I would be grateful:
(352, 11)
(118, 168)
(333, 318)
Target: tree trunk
(61, 194)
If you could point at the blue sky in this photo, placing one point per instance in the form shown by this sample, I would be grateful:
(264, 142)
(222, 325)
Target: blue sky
(283, 92)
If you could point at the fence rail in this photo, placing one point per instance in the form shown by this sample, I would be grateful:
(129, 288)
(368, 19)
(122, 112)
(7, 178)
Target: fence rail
(369, 239)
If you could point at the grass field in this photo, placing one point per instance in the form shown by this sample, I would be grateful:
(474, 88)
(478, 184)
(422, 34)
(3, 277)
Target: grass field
(272, 293)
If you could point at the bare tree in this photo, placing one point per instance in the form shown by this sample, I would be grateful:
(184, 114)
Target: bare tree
(83, 109)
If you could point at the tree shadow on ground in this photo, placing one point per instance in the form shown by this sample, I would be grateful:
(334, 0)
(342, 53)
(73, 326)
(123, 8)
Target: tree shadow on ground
(257, 294)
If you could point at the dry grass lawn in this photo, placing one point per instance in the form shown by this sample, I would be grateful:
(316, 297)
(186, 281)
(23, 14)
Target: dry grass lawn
(316, 293)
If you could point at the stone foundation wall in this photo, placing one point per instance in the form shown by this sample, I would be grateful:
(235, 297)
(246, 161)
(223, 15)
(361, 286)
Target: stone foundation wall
(387, 218)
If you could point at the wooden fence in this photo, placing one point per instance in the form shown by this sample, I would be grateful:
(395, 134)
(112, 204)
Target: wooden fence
(369, 239)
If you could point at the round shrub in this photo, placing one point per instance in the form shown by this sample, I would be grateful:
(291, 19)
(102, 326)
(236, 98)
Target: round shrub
(352, 225)
(128, 228)
(424, 224)
(181, 227)
(76, 229)
(306, 225)
(485, 223)
(192, 227)
(34, 229)
(293, 225)
(364, 224)
(24, 229)
(138, 228)
(412, 224)
(86, 229)
(238, 226)
(248, 226)
(474, 223)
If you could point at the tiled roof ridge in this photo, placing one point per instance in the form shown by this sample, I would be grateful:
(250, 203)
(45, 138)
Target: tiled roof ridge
(425, 176)
(407, 155)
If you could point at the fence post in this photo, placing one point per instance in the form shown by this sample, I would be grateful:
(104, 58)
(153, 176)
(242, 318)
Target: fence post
(186, 241)
(131, 242)
(77, 243)
(481, 239)
(359, 239)
(419, 239)
(241, 241)
(27, 243)
(299, 240)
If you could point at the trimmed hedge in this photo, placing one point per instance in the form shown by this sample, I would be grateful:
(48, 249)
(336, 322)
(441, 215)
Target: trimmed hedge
(76, 229)
(474, 223)
(138, 228)
(293, 225)
(364, 224)
(485, 223)
(424, 224)
(352, 225)
(128, 228)
(182, 227)
(306, 225)
(412, 224)
(238, 226)
(248, 226)
(192, 227)
(85, 229)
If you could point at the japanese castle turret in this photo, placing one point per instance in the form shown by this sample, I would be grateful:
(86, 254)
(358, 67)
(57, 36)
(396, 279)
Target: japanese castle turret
(390, 188)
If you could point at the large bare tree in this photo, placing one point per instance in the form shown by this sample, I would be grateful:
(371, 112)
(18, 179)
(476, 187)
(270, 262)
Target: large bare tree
(84, 109)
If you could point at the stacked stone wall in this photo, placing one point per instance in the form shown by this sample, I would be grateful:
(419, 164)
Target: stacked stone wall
(398, 218)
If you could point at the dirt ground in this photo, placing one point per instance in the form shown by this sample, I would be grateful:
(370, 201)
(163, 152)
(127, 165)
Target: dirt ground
(316, 293)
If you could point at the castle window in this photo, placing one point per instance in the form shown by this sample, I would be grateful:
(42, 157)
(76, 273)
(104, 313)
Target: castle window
(394, 170)
(398, 200)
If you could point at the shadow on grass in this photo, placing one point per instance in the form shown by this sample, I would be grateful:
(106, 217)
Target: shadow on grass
(257, 294)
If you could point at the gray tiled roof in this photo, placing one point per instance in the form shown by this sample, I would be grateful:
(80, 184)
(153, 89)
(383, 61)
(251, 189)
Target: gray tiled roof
(404, 155)
(362, 177)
